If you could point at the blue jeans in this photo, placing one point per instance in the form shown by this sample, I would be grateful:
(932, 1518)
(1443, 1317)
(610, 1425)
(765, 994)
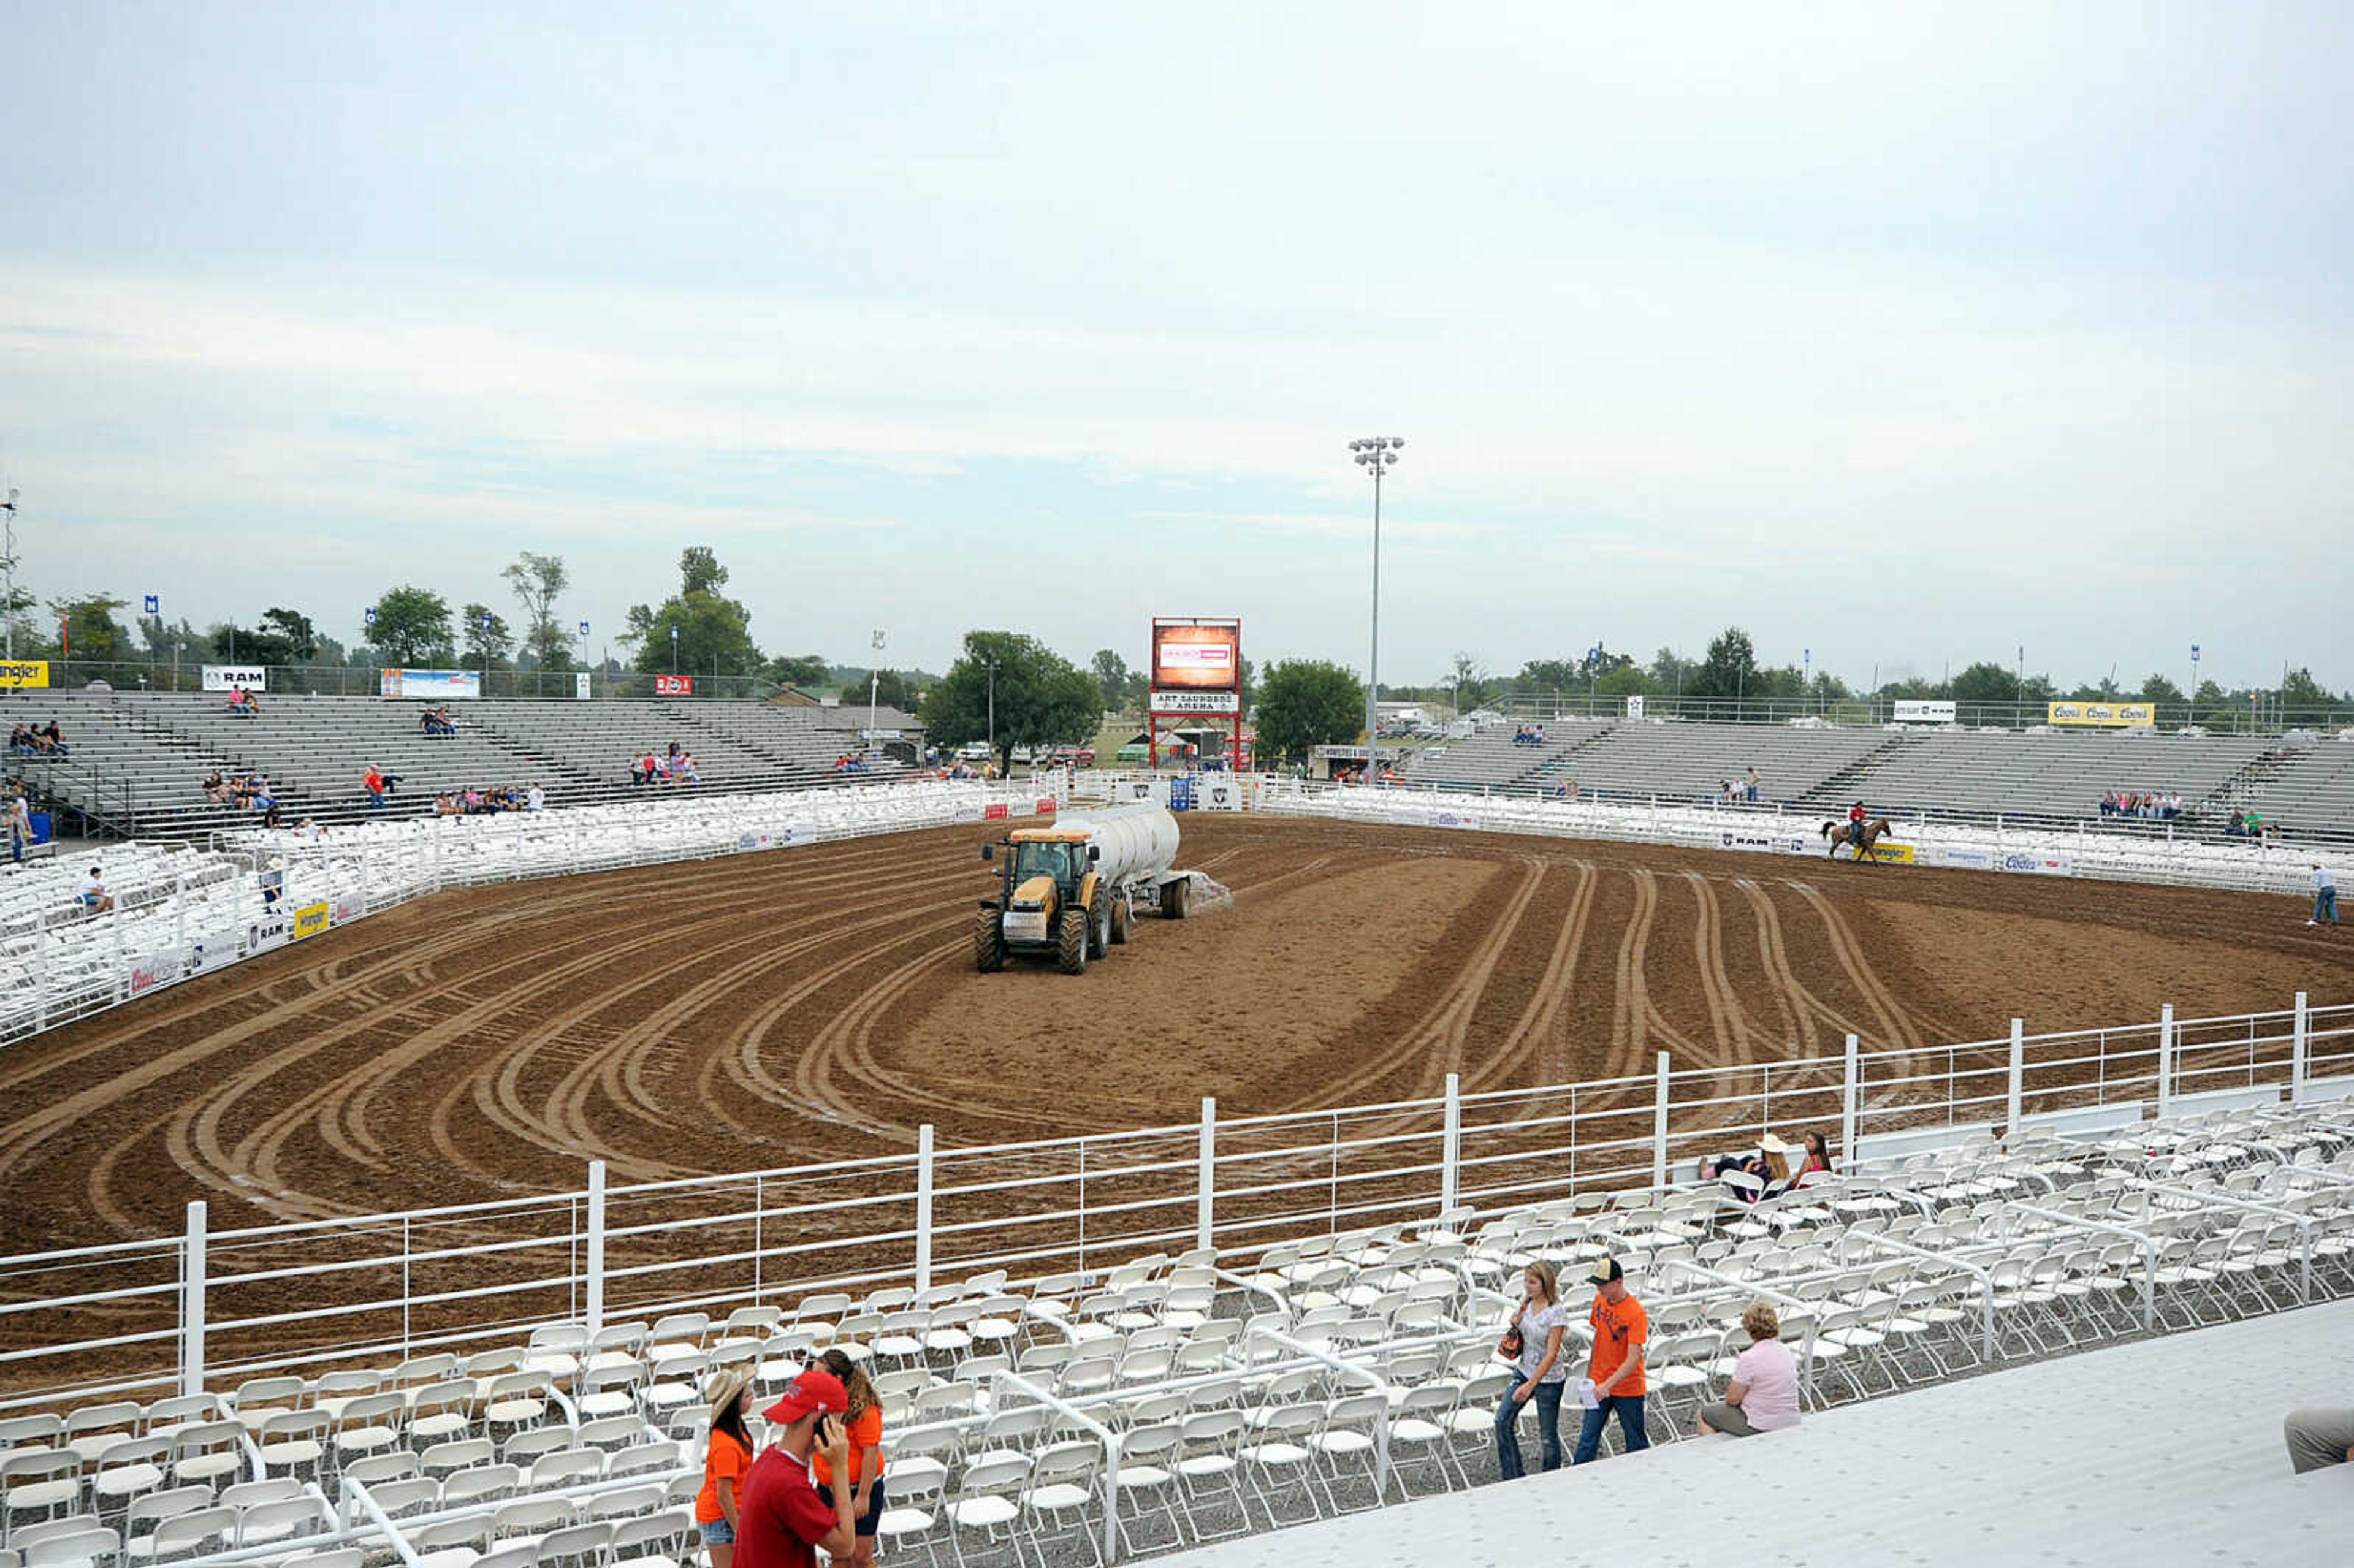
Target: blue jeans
(2325, 905)
(1547, 1399)
(1629, 1407)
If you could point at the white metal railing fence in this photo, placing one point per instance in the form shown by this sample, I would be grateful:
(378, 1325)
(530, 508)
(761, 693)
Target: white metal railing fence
(211, 1306)
(180, 912)
(2025, 847)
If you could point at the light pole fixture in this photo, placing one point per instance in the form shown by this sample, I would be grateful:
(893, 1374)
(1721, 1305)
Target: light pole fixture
(874, 685)
(8, 560)
(674, 650)
(992, 662)
(1377, 454)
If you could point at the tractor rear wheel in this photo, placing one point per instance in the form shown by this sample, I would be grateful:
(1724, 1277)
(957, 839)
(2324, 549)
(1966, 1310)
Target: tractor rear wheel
(1071, 934)
(988, 943)
(1120, 917)
(1099, 927)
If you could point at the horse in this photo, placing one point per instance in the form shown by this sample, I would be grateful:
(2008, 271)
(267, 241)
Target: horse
(1844, 833)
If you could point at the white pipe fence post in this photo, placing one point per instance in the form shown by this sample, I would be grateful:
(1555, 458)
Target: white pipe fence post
(1660, 1128)
(2017, 1074)
(192, 1303)
(1850, 1104)
(1206, 1189)
(2166, 1061)
(1450, 1146)
(2300, 1042)
(924, 1208)
(595, 1313)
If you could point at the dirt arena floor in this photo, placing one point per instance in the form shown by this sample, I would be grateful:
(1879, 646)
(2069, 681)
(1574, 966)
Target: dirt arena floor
(820, 1003)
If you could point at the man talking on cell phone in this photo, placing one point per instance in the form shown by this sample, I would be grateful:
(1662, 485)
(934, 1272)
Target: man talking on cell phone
(783, 1522)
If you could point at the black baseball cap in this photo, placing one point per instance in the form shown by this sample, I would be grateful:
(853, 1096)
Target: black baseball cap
(1606, 1271)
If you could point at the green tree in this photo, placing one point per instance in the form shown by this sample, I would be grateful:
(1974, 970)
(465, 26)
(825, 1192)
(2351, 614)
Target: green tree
(1542, 675)
(92, 632)
(1630, 682)
(487, 640)
(1307, 702)
(412, 629)
(296, 640)
(538, 581)
(1730, 670)
(2301, 694)
(801, 670)
(1111, 676)
(2161, 693)
(1673, 671)
(893, 689)
(714, 633)
(1467, 681)
(1985, 682)
(1042, 699)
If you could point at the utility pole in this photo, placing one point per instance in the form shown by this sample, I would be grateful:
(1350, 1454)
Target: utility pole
(1379, 454)
(8, 561)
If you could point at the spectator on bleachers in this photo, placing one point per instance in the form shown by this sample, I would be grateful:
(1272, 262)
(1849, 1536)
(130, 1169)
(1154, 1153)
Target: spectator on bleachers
(685, 769)
(864, 1424)
(2325, 896)
(446, 805)
(1755, 783)
(215, 788)
(93, 897)
(725, 1456)
(2318, 1437)
(1763, 1395)
(1815, 1155)
(538, 799)
(784, 1522)
(51, 741)
(372, 782)
(2109, 803)
(241, 703)
(1615, 1366)
(273, 882)
(1533, 1340)
(20, 741)
(20, 824)
(309, 831)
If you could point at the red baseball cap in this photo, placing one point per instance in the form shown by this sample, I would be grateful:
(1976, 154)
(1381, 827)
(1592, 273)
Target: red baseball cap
(815, 1389)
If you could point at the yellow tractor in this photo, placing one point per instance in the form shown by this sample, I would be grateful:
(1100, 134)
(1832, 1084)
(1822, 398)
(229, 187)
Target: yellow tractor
(1070, 889)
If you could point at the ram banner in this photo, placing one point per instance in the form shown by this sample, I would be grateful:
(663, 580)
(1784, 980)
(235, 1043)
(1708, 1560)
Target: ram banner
(1911, 710)
(236, 677)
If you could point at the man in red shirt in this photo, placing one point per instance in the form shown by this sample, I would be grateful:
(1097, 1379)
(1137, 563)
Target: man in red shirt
(782, 1521)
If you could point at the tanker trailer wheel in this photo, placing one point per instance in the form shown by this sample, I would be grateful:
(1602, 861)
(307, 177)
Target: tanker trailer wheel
(1071, 933)
(1120, 917)
(988, 943)
(1173, 896)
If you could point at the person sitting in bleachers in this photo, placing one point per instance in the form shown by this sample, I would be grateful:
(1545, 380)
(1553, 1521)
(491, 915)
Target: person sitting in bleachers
(215, 788)
(1762, 1394)
(2109, 804)
(241, 703)
(51, 741)
(20, 740)
(685, 768)
(445, 805)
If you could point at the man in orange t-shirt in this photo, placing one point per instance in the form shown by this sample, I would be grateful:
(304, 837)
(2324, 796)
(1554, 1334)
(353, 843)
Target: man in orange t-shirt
(1621, 1328)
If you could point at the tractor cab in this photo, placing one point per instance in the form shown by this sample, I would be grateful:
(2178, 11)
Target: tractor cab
(1044, 866)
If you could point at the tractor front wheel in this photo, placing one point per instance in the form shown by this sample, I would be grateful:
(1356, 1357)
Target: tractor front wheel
(1072, 936)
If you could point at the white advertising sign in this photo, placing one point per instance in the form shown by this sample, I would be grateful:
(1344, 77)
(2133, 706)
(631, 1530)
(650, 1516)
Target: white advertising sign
(1217, 795)
(434, 685)
(1634, 707)
(1165, 702)
(230, 677)
(580, 686)
(1911, 711)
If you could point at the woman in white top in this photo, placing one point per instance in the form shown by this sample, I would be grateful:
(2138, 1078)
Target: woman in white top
(1538, 1322)
(1763, 1393)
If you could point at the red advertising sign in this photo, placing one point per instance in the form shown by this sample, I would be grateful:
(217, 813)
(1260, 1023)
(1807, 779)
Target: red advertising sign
(996, 813)
(673, 685)
(1046, 806)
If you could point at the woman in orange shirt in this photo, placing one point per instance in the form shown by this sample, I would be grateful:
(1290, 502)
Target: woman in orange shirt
(865, 1425)
(724, 1462)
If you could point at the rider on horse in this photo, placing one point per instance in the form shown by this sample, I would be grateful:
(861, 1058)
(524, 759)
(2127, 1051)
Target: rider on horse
(1855, 826)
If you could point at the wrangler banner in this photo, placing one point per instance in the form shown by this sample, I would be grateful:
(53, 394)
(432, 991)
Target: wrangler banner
(23, 674)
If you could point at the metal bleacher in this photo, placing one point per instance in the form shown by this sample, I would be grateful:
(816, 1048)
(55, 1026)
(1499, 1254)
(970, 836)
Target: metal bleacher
(138, 759)
(2303, 786)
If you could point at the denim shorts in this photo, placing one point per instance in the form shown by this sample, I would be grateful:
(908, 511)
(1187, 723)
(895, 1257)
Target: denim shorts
(873, 1514)
(717, 1532)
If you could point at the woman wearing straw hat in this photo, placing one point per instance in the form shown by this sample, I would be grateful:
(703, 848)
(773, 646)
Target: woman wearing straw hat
(724, 1462)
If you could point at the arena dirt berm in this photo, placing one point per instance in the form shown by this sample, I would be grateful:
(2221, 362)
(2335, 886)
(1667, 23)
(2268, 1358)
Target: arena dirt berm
(819, 1003)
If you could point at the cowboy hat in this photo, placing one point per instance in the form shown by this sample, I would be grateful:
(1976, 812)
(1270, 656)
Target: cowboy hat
(728, 1385)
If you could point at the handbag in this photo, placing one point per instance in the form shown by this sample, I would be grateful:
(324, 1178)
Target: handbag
(1509, 1347)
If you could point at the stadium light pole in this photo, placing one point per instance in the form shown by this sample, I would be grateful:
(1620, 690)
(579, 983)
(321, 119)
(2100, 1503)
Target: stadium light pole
(1379, 454)
(8, 561)
(992, 663)
(874, 685)
(674, 652)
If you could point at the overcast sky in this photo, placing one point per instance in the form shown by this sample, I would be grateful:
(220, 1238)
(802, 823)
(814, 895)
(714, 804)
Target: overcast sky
(1907, 334)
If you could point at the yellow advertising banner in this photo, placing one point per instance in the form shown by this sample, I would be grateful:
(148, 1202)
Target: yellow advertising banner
(21, 674)
(2107, 716)
(309, 920)
(1893, 854)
